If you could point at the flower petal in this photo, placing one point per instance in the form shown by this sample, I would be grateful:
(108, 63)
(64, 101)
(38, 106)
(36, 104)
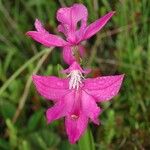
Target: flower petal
(76, 66)
(62, 29)
(42, 36)
(75, 128)
(51, 87)
(103, 88)
(73, 22)
(60, 109)
(96, 26)
(39, 27)
(90, 107)
(68, 55)
(72, 15)
(56, 112)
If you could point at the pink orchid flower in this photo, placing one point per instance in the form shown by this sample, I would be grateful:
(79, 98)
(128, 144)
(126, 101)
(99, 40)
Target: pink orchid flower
(75, 97)
(70, 18)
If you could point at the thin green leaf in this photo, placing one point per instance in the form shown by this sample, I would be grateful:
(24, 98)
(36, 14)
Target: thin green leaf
(86, 142)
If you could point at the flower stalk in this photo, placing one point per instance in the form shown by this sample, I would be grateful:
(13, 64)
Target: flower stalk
(87, 141)
(76, 54)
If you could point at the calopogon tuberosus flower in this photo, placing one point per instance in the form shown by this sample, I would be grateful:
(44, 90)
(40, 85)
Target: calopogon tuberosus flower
(73, 24)
(75, 97)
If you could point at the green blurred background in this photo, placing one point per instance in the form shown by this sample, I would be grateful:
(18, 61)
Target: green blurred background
(123, 46)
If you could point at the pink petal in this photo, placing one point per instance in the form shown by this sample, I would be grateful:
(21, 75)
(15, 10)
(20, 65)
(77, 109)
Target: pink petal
(76, 66)
(73, 66)
(97, 25)
(42, 36)
(68, 55)
(75, 128)
(90, 108)
(69, 17)
(47, 40)
(39, 27)
(50, 87)
(56, 112)
(62, 29)
(103, 88)
(72, 15)
(60, 109)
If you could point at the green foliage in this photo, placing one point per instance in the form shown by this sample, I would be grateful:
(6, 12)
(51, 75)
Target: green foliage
(35, 120)
(123, 46)
(12, 133)
(8, 109)
(87, 141)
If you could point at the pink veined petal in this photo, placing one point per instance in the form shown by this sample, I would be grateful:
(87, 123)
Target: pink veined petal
(71, 15)
(75, 128)
(44, 37)
(90, 108)
(79, 35)
(76, 101)
(47, 40)
(39, 27)
(79, 13)
(56, 112)
(68, 55)
(63, 15)
(62, 29)
(72, 67)
(60, 109)
(52, 88)
(73, 22)
(103, 88)
(96, 26)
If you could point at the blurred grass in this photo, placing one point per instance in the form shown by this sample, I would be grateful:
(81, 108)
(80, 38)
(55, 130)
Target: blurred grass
(123, 46)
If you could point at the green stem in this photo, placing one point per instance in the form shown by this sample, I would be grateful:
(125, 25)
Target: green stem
(31, 60)
(86, 142)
